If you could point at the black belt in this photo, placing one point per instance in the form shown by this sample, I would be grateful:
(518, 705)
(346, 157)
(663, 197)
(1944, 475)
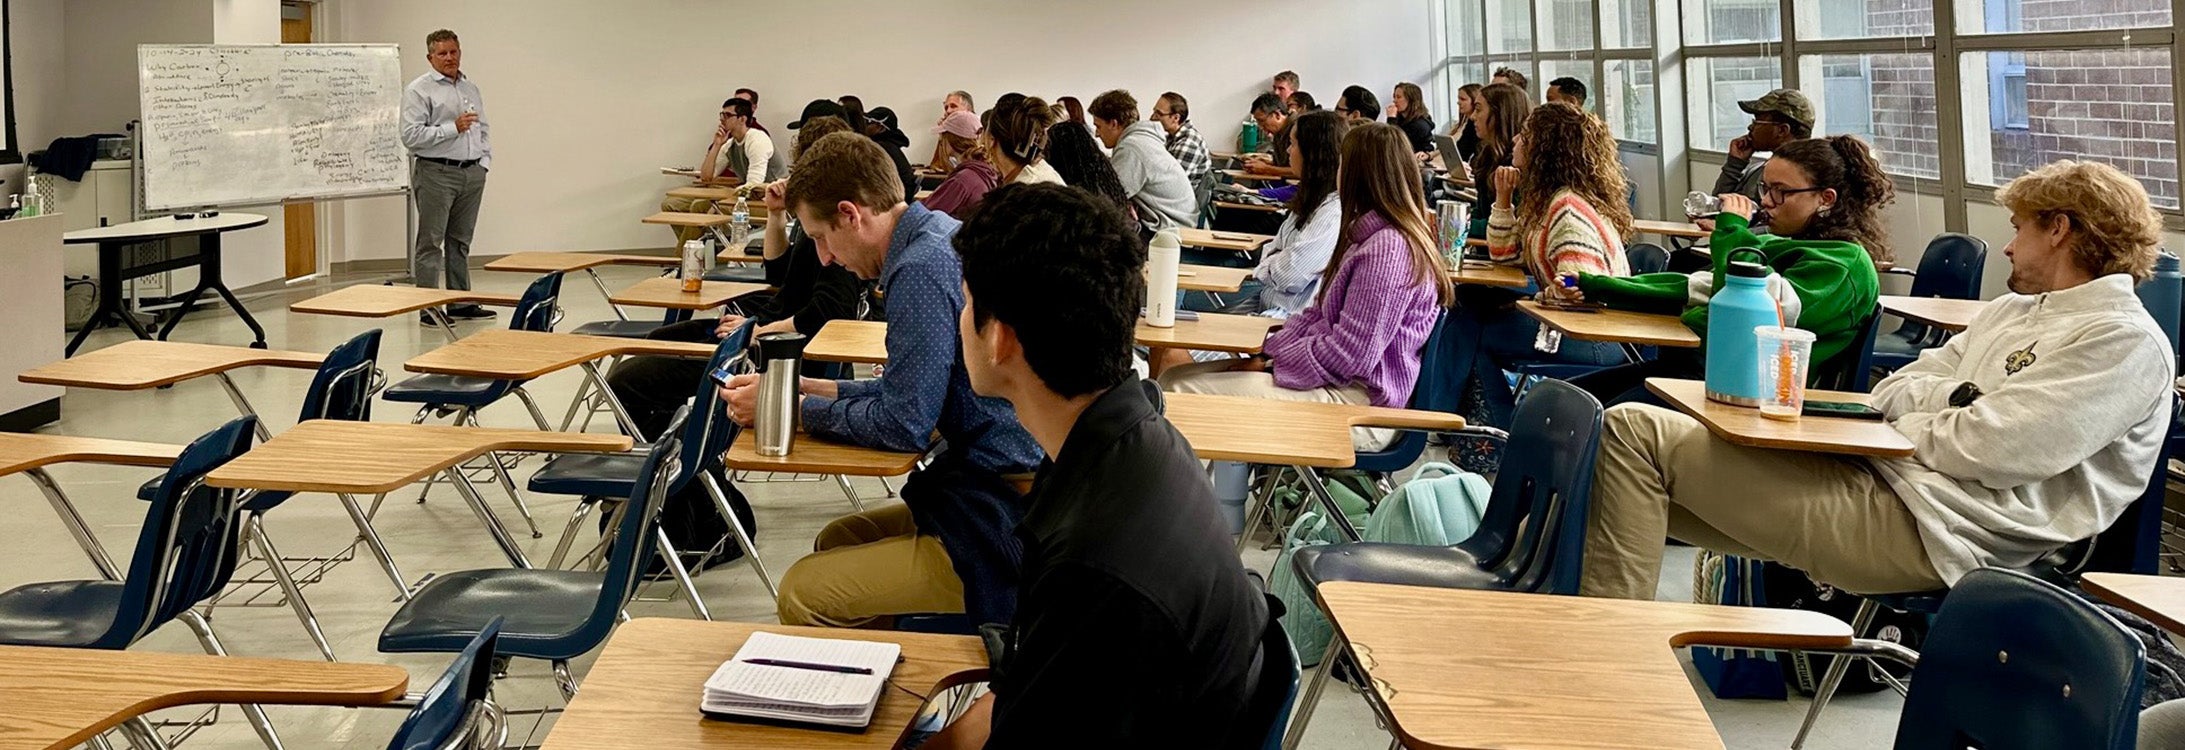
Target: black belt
(451, 162)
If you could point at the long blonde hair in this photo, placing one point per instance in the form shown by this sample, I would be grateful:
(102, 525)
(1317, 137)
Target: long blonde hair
(1379, 176)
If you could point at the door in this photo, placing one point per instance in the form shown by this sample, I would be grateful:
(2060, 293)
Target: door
(300, 219)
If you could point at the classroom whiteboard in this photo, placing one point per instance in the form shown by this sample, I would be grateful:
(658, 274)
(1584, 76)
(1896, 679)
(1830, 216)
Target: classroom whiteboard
(227, 125)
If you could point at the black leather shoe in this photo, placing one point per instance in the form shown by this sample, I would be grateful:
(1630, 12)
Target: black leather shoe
(470, 312)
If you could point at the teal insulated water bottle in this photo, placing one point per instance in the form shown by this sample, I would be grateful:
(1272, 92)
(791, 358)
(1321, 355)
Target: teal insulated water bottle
(1733, 350)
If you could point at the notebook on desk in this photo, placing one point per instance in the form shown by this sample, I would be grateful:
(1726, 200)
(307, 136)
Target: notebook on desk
(818, 681)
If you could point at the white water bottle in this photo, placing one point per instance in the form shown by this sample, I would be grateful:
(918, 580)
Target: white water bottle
(739, 225)
(1162, 256)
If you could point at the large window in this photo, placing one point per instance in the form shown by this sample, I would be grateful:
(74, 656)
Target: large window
(1717, 84)
(1888, 100)
(2116, 106)
(2034, 16)
(1627, 99)
(1604, 44)
(1732, 21)
(1566, 24)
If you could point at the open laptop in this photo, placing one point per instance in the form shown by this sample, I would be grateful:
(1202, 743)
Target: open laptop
(1448, 148)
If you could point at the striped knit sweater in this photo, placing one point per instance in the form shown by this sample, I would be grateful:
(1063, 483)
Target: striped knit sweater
(1368, 328)
(1575, 239)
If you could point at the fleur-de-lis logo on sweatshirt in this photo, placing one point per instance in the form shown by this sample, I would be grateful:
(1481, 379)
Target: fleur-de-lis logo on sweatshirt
(2020, 359)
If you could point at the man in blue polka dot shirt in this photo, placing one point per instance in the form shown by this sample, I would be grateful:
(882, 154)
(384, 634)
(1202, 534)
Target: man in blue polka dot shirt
(951, 546)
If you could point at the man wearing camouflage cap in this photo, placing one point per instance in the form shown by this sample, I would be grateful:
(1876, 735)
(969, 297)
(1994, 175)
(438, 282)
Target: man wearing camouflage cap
(1782, 116)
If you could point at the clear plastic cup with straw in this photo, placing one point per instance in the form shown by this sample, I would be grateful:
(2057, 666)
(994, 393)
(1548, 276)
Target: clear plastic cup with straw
(1785, 353)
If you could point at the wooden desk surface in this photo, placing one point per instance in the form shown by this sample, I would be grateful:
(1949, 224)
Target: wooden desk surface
(816, 455)
(2161, 600)
(1615, 326)
(709, 193)
(683, 219)
(1196, 278)
(865, 341)
(667, 291)
(140, 364)
(1947, 314)
(1243, 242)
(1239, 174)
(1546, 672)
(56, 698)
(1743, 425)
(1490, 274)
(1228, 206)
(862, 342)
(23, 451)
(324, 455)
(377, 301)
(1214, 332)
(535, 261)
(1683, 229)
(502, 354)
(644, 690)
(1290, 433)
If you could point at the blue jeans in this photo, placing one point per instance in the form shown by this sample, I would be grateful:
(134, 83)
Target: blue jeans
(1491, 341)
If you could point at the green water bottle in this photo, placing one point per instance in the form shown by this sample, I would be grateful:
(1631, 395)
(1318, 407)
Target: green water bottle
(1248, 137)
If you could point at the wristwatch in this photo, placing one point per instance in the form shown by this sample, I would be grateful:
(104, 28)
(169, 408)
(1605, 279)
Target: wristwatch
(1965, 395)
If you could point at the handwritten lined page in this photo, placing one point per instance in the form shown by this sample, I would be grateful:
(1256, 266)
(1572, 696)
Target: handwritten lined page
(743, 688)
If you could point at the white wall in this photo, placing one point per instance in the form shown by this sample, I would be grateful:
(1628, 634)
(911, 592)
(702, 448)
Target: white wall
(100, 66)
(36, 50)
(588, 99)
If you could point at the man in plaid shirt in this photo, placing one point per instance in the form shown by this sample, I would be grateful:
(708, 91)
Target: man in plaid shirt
(1184, 143)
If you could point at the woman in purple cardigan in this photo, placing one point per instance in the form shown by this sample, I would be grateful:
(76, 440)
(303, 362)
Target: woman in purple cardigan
(1358, 343)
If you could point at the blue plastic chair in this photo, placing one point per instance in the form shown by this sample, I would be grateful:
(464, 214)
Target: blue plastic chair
(1278, 678)
(1646, 257)
(705, 433)
(553, 615)
(1951, 268)
(459, 704)
(1852, 369)
(2015, 663)
(463, 395)
(185, 554)
(341, 389)
(1433, 393)
(1532, 538)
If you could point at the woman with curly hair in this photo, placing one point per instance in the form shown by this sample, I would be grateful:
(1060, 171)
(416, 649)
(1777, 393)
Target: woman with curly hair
(1825, 198)
(1572, 221)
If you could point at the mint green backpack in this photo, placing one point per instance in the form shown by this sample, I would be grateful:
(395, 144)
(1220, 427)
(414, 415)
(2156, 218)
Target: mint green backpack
(1439, 507)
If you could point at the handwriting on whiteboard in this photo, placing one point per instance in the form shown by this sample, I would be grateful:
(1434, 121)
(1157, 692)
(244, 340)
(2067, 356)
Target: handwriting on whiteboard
(236, 125)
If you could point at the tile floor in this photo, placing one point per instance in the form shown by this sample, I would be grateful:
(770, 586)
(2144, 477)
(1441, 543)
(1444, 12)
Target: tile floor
(354, 600)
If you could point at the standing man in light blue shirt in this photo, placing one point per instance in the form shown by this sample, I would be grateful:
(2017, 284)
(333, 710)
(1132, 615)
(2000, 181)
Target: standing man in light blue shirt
(444, 127)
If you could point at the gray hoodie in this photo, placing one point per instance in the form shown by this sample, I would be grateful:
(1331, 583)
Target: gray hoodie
(1153, 179)
(2075, 401)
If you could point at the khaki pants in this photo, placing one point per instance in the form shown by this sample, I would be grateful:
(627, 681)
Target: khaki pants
(1215, 378)
(687, 206)
(1661, 473)
(867, 566)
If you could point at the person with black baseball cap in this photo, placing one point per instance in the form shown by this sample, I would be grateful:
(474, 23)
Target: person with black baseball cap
(886, 132)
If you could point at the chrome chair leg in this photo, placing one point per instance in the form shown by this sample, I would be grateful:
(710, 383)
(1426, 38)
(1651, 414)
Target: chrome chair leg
(500, 474)
(569, 531)
(99, 742)
(288, 585)
(743, 535)
(1259, 502)
(562, 680)
(584, 388)
(887, 487)
(667, 551)
(1304, 708)
(850, 492)
(1835, 675)
(537, 417)
(378, 547)
(211, 642)
(142, 735)
(419, 418)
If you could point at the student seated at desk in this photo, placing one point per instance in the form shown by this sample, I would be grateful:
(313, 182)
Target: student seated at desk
(1074, 155)
(1015, 140)
(970, 176)
(1358, 343)
(1827, 196)
(1569, 157)
(1156, 184)
(1498, 116)
(1464, 131)
(1273, 118)
(948, 547)
(1136, 627)
(1407, 110)
(2031, 430)
(1357, 105)
(1173, 113)
(740, 152)
(956, 101)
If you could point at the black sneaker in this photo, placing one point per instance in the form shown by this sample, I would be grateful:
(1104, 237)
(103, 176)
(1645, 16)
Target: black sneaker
(425, 319)
(470, 312)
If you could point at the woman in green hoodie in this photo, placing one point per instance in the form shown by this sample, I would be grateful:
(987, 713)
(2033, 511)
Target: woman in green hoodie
(1824, 197)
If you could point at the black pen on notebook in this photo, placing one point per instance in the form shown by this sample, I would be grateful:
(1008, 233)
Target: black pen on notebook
(837, 668)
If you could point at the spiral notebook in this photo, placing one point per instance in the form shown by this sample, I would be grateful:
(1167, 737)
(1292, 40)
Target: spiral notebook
(741, 689)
